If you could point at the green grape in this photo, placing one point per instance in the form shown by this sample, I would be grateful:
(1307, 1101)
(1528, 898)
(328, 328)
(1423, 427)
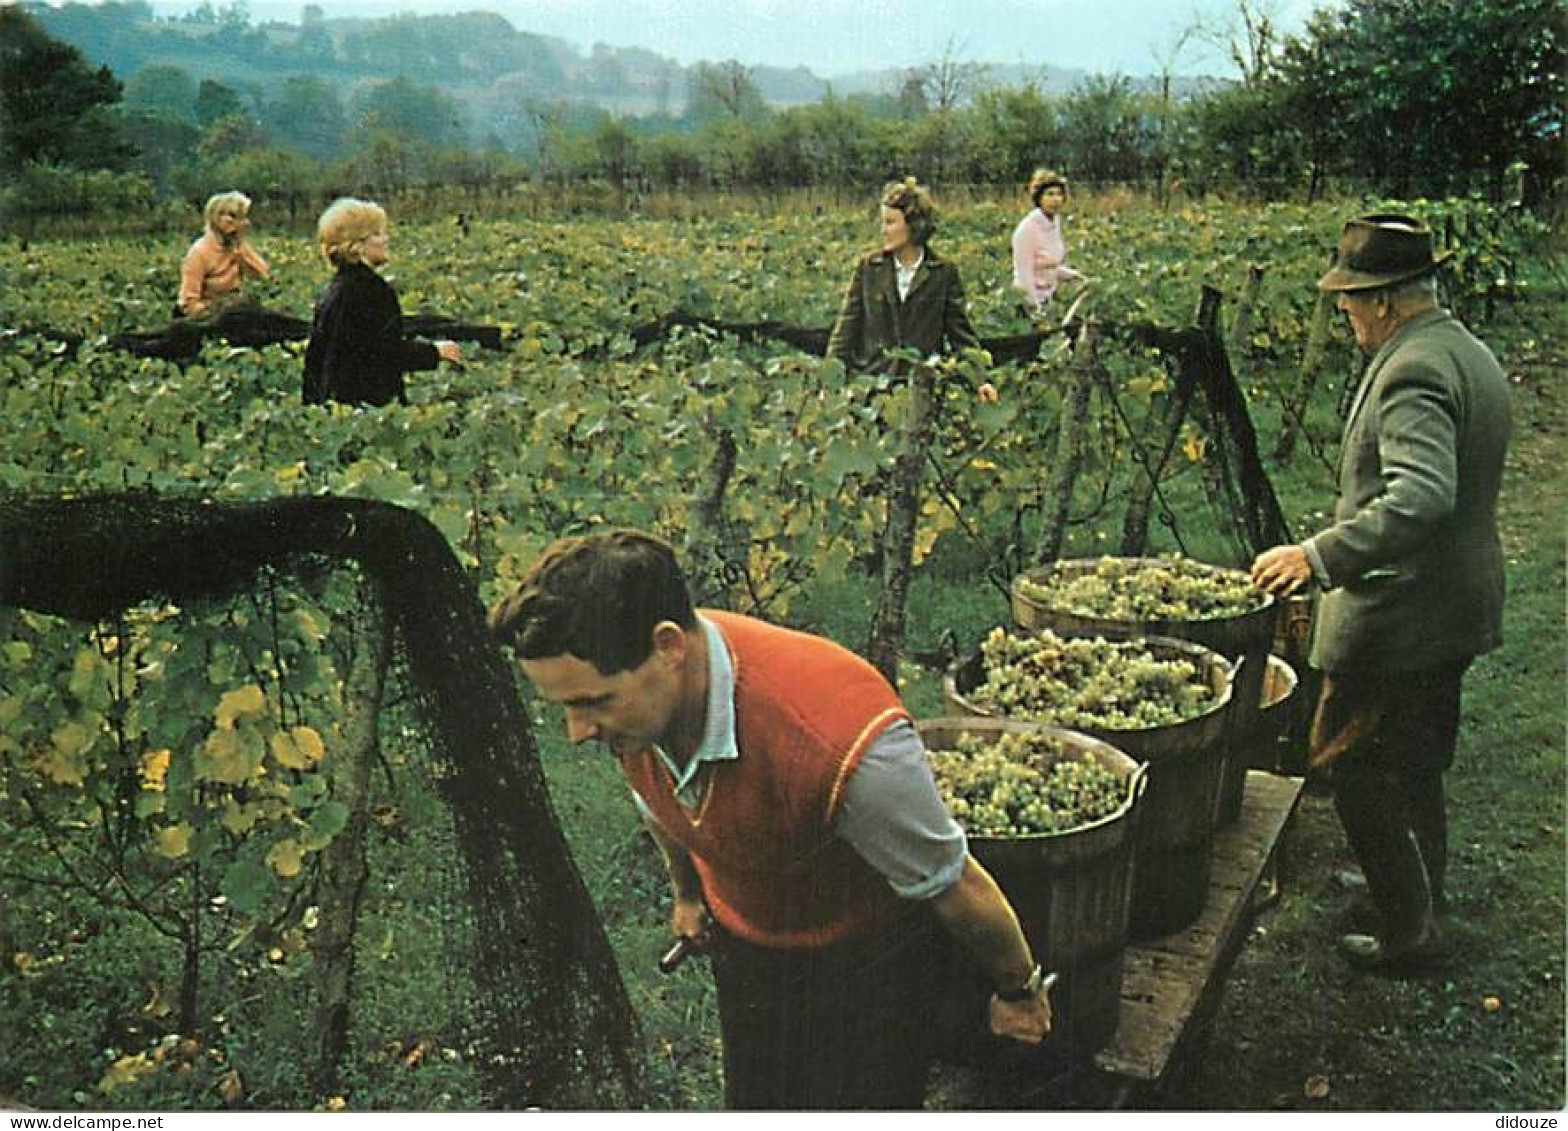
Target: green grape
(1023, 784)
(1173, 589)
(1088, 682)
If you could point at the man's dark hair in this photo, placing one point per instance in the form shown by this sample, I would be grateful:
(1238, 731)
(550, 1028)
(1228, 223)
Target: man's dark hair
(596, 597)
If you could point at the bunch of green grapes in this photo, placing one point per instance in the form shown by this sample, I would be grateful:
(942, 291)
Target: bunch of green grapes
(1173, 588)
(1019, 784)
(1088, 682)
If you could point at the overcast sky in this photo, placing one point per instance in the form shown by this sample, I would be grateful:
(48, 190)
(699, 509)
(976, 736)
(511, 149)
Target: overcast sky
(841, 36)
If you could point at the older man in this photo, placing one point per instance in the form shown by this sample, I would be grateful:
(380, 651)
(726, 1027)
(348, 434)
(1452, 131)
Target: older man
(1412, 569)
(807, 847)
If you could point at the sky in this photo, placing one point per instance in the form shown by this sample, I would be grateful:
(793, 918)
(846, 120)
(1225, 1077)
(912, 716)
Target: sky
(843, 36)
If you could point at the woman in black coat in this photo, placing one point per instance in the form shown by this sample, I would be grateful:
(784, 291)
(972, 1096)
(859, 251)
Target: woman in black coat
(357, 352)
(903, 295)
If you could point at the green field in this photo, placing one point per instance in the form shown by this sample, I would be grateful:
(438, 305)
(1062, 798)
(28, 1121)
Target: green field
(128, 821)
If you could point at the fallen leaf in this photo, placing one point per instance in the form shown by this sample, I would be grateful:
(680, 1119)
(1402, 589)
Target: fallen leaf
(1316, 1087)
(231, 1087)
(156, 1005)
(126, 1070)
(1491, 1003)
(335, 1103)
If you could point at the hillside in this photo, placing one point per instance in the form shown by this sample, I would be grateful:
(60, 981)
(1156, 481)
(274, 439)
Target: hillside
(495, 71)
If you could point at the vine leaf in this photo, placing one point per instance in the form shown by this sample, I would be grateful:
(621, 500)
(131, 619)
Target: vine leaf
(286, 858)
(243, 702)
(299, 748)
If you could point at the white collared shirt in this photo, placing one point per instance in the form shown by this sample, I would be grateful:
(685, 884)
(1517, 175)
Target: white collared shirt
(906, 275)
(718, 730)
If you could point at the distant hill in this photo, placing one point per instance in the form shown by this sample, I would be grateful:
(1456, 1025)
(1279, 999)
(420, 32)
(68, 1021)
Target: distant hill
(497, 73)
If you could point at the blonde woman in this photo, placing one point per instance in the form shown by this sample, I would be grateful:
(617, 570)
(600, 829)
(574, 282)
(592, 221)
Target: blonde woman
(357, 352)
(214, 269)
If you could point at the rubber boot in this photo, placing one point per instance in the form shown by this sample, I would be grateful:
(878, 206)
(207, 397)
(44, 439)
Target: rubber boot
(1427, 808)
(1370, 809)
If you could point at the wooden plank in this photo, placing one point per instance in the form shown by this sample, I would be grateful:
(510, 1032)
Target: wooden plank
(1170, 981)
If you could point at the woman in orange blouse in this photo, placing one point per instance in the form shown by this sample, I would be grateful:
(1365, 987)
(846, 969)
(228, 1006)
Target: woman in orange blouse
(214, 268)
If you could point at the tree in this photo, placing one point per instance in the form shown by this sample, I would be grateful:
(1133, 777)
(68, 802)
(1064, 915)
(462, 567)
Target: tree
(215, 101)
(944, 84)
(163, 142)
(53, 105)
(275, 177)
(724, 90)
(1108, 133)
(231, 135)
(169, 90)
(307, 115)
(1419, 97)
(411, 111)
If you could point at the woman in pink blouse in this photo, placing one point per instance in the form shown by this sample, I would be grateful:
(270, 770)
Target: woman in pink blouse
(215, 266)
(1039, 251)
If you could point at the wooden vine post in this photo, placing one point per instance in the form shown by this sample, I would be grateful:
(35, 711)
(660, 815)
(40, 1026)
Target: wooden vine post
(1069, 446)
(903, 516)
(1135, 522)
(709, 556)
(1307, 379)
(345, 869)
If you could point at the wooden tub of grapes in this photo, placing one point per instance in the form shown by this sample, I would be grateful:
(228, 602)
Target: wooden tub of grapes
(1052, 815)
(1175, 596)
(1161, 700)
(1280, 706)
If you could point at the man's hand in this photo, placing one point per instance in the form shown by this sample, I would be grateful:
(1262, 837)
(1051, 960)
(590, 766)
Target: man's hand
(1282, 570)
(1027, 1021)
(689, 919)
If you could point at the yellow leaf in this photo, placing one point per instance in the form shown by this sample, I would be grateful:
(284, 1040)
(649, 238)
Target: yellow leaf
(299, 748)
(157, 1005)
(1491, 1003)
(286, 858)
(1196, 447)
(155, 768)
(126, 1070)
(226, 757)
(239, 703)
(231, 1087)
(335, 1103)
(307, 623)
(172, 842)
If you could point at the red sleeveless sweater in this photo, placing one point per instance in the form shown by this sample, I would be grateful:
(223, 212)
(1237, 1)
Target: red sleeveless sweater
(761, 838)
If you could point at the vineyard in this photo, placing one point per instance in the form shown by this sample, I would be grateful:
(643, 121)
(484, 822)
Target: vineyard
(239, 871)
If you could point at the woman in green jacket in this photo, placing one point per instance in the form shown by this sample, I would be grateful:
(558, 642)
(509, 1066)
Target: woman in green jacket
(903, 295)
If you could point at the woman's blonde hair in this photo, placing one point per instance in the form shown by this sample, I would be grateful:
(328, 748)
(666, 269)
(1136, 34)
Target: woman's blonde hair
(912, 198)
(224, 204)
(345, 226)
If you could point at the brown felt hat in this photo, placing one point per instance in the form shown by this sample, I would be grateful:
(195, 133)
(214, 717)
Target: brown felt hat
(1380, 250)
